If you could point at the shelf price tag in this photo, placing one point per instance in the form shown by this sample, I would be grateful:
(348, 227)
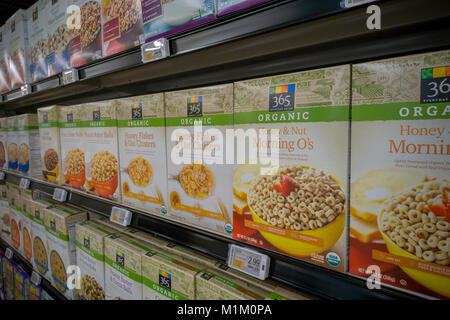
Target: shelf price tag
(9, 253)
(249, 261)
(120, 216)
(2, 175)
(59, 194)
(69, 76)
(155, 50)
(25, 89)
(24, 183)
(35, 278)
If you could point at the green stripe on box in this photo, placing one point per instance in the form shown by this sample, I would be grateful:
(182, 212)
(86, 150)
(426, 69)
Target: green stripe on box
(90, 252)
(99, 124)
(276, 296)
(51, 124)
(172, 295)
(57, 234)
(212, 120)
(123, 270)
(147, 122)
(28, 128)
(401, 111)
(315, 114)
(70, 124)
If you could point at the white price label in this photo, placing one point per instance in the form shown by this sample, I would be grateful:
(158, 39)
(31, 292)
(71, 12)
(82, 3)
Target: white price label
(35, 278)
(9, 253)
(69, 76)
(59, 194)
(25, 89)
(249, 261)
(2, 175)
(155, 50)
(24, 183)
(120, 216)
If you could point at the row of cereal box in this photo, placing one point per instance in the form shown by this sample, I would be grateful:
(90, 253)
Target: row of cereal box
(395, 194)
(117, 262)
(53, 35)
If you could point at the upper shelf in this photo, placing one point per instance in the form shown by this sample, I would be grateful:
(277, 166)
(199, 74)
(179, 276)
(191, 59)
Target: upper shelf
(281, 37)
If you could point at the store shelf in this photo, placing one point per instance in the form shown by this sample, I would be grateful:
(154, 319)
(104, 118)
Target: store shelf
(28, 268)
(306, 278)
(282, 37)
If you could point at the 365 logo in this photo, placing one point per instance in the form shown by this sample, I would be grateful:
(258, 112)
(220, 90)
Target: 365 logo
(96, 114)
(120, 258)
(69, 116)
(136, 111)
(45, 117)
(53, 224)
(87, 241)
(165, 280)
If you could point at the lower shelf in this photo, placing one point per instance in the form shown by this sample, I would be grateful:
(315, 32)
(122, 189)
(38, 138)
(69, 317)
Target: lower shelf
(309, 279)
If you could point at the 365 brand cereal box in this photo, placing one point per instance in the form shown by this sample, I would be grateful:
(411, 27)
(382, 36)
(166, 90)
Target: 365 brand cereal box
(142, 150)
(123, 272)
(215, 285)
(41, 260)
(163, 18)
(200, 181)
(3, 143)
(86, 44)
(101, 150)
(294, 198)
(60, 224)
(58, 36)
(37, 26)
(400, 176)
(72, 146)
(167, 277)
(12, 140)
(27, 229)
(91, 259)
(50, 144)
(5, 81)
(122, 25)
(15, 217)
(29, 156)
(18, 48)
(5, 217)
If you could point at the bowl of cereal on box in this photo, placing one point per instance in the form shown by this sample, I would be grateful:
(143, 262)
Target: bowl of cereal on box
(415, 224)
(75, 168)
(104, 173)
(300, 211)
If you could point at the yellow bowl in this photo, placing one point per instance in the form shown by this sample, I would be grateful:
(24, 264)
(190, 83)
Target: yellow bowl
(329, 234)
(434, 282)
(52, 178)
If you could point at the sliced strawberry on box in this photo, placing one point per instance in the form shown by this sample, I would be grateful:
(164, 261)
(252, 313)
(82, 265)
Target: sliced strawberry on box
(288, 184)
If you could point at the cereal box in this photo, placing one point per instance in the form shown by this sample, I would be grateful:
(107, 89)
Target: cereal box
(58, 37)
(163, 18)
(3, 142)
(5, 80)
(142, 149)
(18, 49)
(294, 201)
(168, 277)
(8, 271)
(123, 275)
(37, 26)
(5, 217)
(122, 25)
(101, 155)
(214, 285)
(39, 237)
(27, 230)
(50, 144)
(29, 145)
(21, 283)
(72, 146)
(91, 259)
(200, 183)
(276, 290)
(60, 224)
(86, 46)
(400, 176)
(35, 292)
(227, 6)
(12, 140)
(16, 217)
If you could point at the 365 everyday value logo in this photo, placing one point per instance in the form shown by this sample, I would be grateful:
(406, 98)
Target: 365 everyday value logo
(165, 280)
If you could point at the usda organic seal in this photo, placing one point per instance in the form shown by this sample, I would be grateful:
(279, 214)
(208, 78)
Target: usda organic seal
(333, 259)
